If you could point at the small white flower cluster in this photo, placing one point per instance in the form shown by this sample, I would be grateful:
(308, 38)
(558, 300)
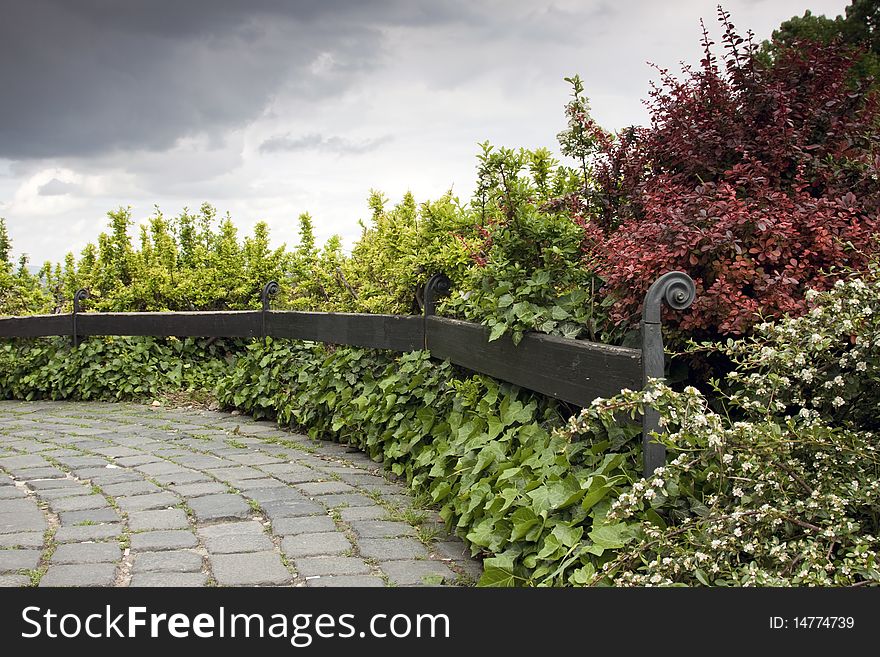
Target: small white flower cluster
(821, 364)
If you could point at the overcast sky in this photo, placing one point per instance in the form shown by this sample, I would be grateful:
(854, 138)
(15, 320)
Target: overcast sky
(269, 108)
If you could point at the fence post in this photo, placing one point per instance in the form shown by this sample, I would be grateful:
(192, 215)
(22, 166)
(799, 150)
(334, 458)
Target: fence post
(78, 297)
(437, 286)
(677, 289)
(270, 289)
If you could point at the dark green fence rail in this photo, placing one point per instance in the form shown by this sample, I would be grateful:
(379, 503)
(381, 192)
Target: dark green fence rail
(574, 371)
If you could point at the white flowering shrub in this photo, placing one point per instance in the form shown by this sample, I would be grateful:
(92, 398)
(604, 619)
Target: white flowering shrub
(769, 502)
(823, 366)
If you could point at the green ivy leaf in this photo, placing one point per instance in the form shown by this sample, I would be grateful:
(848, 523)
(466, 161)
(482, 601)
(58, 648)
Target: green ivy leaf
(523, 519)
(613, 536)
(497, 577)
(497, 331)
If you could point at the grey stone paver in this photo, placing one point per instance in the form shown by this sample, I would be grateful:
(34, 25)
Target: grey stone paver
(291, 474)
(79, 503)
(233, 537)
(87, 533)
(187, 580)
(198, 489)
(147, 502)
(308, 545)
(325, 487)
(260, 484)
(11, 492)
(21, 540)
(201, 461)
(220, 507)
(398, 500)
(252, 569)
(346, 581)
(303, 525)
(30, 474)
(411, 573)
(233, 543)
(285, 509)
(254, 459)
(131, 488)
(345, 499)
(186, 477)
(128, 461)
(88, 516)
(98, 574)
(87, 553)
(235, 473)
(238, 527)
(12, 560)
(161, 519)
(250, 502)
(14, 580)
(159, 468)
(326, 566)
(363, 513)
(163, 540)
(28, 461)
(176, 561)
(58, 493)
(47, 484)
(21, 515)
(452, 550)
(387, 549)
(381, 529)
(274, 494)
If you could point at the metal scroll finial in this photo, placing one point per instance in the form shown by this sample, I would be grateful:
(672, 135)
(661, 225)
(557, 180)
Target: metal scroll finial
(437, 286)
(78, 297)
(270, 289)
(678, 290)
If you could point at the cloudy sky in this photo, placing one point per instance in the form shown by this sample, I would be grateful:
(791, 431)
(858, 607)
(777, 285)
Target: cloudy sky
(269, 108)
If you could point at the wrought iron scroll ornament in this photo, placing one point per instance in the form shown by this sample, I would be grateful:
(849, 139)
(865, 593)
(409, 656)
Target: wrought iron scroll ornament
(676, 288)
(438, 285)
(678, 291)
(78, 297)
(270, 289)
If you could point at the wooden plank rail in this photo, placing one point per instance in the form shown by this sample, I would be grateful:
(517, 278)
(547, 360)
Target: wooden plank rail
(395, 332)
(573, 371)
(35, 326)
(229, 324)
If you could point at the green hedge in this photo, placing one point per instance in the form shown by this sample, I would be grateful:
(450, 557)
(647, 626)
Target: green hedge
(111, 368)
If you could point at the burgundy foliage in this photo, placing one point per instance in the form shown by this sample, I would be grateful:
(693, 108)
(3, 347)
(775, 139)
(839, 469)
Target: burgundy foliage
(760, 179)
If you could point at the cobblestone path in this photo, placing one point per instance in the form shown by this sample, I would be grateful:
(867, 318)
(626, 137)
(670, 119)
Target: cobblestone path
(96, 494)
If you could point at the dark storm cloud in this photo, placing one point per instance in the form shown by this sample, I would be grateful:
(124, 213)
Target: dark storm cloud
(317, 142)
(94, 76)
(57, 187)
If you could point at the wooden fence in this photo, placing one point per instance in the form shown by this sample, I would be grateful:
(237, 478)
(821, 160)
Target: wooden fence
(574, 371)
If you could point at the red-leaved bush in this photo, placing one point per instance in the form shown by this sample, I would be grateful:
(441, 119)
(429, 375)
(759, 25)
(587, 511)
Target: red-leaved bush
(759, 178)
